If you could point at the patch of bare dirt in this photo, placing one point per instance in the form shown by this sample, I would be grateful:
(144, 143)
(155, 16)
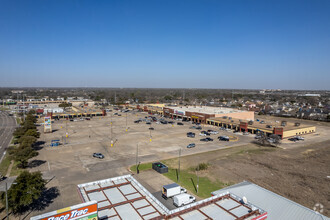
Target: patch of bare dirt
(300, 174)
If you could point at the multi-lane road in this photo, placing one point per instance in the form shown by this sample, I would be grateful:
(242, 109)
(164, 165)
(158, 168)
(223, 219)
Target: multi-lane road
(7, 127)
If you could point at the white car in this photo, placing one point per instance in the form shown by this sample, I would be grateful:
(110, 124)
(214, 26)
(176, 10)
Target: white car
(183, 199)
(300, 138)
(214, 132)
(202, 134)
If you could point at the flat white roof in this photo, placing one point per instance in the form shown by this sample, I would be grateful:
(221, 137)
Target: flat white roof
(277, 206)
(125, 198)
(207, 109)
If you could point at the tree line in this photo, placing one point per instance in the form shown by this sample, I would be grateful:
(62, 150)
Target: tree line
(29, 187)
(26, 136)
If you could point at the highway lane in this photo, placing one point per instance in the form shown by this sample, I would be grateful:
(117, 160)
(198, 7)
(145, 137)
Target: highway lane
(7, 127)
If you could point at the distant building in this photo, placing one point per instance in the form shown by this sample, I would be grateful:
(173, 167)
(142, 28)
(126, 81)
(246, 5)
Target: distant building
(310, 95)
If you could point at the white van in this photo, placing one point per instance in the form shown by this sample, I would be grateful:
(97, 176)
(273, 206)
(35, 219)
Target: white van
(183, 199)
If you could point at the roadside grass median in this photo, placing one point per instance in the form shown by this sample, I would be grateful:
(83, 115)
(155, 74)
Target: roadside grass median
(4, 165)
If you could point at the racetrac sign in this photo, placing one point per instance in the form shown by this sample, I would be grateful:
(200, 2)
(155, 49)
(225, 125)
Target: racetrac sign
(84, 211)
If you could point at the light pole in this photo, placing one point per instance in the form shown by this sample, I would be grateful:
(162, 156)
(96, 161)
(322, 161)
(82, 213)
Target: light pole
(197, 178)
(66, 128)
(137, 153)
(111, 141)
(7, 202)
(126, 121)
(179, 165)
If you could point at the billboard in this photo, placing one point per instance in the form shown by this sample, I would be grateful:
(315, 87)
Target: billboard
(47, 124)
(84, 211)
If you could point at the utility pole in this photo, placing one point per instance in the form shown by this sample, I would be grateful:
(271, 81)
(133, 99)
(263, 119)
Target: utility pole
(179, 166)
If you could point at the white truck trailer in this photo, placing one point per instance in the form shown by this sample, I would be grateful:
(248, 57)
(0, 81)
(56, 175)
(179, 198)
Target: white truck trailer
(183, 199)
(171, 190)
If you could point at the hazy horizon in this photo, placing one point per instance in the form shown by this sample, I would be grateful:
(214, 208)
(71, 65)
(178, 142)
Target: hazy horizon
(166, 44)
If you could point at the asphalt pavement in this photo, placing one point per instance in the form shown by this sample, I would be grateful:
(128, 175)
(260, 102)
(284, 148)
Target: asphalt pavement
(7, 127)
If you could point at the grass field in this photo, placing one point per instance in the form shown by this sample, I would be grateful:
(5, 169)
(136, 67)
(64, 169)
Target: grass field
(143, 166)
(187, 179)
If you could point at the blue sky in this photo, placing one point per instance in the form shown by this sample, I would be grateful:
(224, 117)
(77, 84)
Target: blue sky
(250, 44)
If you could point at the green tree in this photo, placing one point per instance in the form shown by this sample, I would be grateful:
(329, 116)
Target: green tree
(65, 105)
(20, 131)
(22, 155)
(28, 188)
(33, 133)
(27, 140)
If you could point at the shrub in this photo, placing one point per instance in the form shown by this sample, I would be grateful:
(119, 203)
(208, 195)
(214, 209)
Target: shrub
(202, 166)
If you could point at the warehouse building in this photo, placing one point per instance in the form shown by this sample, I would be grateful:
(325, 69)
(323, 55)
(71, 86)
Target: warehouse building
(200, 114)
(283, 129)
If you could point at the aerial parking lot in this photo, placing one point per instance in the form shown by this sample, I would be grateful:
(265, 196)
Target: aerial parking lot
(154, 139)
(72, 162)
(126, 142)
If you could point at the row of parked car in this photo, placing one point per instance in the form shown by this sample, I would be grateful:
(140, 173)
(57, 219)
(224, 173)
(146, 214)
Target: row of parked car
(297, 138)
(150, 119)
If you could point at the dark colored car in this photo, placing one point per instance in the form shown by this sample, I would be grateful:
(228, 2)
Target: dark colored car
(223, 138)
(209, 139)
(137, 121)
(292, 139)
(151, 128)
(148, 123)
(171, 122)
(204, 139)
(98, 155)
(179, 123)
(191, 145)
(191, 134)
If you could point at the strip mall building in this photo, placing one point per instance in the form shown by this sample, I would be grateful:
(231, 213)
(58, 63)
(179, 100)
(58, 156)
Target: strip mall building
(201, 114)
(237, 120)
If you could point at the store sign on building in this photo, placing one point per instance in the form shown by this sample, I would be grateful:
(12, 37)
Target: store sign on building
(179, 112)
(84, 211)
